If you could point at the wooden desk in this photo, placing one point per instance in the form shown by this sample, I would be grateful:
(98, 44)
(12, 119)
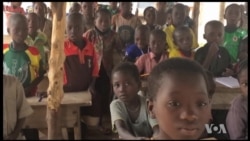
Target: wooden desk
(70, 111)
(221, 99)
(223, 96)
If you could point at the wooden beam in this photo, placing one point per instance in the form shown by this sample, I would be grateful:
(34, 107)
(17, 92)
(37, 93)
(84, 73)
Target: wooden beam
(222, 11)
(55, 74)
(196, 12)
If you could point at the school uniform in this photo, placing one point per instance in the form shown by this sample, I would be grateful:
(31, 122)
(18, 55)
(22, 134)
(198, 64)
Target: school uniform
(220, 62)
(146, 62)
(26, 65)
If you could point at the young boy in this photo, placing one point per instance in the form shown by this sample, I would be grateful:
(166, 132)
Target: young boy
(15, 108)
(76, 7)
(21, 60)
(212, 56)
(157, 45)
(37, 38)
(88, 12)
(133, 52)
(233, 33)
(178, 17)
(129, 112)
(109, 53)
(80, 66)
(237, 117)
(183, 40)
(179, 99)
(124, 23)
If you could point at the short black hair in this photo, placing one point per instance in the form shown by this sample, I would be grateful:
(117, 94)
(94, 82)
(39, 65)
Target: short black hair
(158, 33)
(142, 28)
(149, 9)
(214, 23)
(181, 29)
(128, 68)
(102, 11)
(76, 15)
(231, 5)
(242, 66)
(172, 66)
(16, 18)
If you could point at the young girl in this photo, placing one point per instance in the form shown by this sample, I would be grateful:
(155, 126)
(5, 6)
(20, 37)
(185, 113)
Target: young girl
(128, 113)
(133, 52)
(109, 52)
(233, 33)
(237, 117)
(37, 38)
(179, 99)
(157, 45)
(183, 39)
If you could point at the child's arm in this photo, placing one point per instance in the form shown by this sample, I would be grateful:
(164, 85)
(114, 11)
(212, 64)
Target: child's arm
(13, 135)
(37, 80)
(211, 54)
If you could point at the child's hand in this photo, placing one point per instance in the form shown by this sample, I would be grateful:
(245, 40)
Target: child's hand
(228, 72)
(213, 49)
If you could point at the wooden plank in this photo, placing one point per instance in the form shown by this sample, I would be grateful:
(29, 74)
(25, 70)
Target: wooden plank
(55, 74)
(222, 11)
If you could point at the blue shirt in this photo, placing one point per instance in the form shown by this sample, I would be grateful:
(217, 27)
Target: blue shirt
(133, 52)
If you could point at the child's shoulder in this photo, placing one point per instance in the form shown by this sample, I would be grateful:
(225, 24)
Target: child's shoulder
(238, 101)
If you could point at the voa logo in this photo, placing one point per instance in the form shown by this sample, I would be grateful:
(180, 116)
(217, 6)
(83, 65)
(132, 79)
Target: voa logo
(211, 128)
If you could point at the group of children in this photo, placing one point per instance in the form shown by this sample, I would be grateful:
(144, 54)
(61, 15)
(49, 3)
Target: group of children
(178, 102)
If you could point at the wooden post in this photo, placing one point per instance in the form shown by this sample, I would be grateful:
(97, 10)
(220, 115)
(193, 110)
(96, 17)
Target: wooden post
(196, 12)
(55, 74)
(222, 11)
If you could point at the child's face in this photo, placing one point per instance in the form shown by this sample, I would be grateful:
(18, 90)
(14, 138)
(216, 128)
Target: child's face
(181, 106)
(233, 15)
(243, 80)
(87, 8)
(160, 6)
(125, 86)
(178, 15)
(75, 28)
(103, 22)
(39, 9)
(157, 44)
(125, 7)
(150, 16)
(33, 24)
(141, 38)
(214, 34)
(184, 40)
(19, 30)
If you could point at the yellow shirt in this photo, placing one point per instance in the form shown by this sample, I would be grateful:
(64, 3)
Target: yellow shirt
(169, 30)
(178, 53)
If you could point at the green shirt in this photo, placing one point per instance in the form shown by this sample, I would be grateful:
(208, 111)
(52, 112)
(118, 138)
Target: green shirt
(24, 64)
(232, 41)
(40, 43)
